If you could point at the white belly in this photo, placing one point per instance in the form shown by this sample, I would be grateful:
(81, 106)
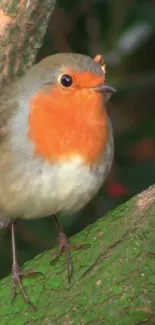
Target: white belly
(38, 189)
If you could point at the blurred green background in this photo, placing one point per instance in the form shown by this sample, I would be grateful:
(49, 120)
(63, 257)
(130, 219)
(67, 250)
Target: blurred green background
(124, 32)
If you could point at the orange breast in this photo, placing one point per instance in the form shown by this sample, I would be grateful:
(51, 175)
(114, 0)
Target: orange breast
(63, 124)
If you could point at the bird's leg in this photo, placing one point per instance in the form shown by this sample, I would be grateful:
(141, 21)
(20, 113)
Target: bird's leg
(64, 247)
(17, 275)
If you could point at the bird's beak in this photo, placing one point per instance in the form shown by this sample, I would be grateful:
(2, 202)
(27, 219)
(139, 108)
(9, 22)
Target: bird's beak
(106, 90)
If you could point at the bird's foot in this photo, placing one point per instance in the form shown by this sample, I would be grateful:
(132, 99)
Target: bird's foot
(64, 247)
(17, 277)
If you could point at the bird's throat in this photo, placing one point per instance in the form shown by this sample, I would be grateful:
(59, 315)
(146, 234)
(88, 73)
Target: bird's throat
(63, 125)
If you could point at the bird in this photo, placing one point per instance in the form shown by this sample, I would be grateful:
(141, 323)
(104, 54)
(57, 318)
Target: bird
(56, 144)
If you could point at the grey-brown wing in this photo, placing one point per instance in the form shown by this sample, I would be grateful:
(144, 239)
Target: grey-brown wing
(8, 104)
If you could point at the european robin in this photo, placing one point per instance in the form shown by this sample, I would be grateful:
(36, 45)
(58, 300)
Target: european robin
(56, 143)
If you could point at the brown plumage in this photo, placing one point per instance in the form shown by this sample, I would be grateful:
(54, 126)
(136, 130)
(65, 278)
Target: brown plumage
(56, 142)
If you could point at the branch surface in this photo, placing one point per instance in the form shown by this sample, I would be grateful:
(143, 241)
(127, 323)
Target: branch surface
(113, 281)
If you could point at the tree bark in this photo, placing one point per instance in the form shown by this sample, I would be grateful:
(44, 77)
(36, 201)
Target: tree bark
(113, 281)
(23, 24)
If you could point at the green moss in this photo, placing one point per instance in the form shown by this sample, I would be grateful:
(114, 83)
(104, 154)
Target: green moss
(12, 8)
(152, 279)
(117, 289)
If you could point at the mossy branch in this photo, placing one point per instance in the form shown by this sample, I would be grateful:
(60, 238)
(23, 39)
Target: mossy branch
(113, 281)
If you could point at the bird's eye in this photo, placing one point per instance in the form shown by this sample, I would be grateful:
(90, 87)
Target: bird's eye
(66, 80)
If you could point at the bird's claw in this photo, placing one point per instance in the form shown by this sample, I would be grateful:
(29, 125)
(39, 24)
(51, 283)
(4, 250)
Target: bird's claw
(17, 277)
(64, 247)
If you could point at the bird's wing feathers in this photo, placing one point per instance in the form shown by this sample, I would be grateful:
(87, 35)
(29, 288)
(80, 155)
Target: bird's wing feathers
(8, 103)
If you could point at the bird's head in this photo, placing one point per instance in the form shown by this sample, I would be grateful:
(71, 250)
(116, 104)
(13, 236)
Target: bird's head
(67, 107)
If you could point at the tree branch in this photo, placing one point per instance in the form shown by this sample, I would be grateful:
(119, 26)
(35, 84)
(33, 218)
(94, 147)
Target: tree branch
(113, 281)
(23, 24)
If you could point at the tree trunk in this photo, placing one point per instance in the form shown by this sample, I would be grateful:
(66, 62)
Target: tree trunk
(113, 281)
(23, 24)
